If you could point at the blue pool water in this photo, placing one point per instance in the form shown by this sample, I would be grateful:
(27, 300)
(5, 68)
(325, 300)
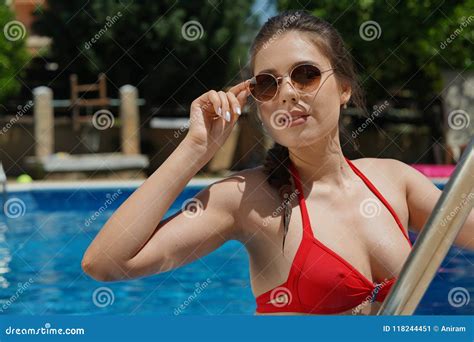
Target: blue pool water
(45, 233)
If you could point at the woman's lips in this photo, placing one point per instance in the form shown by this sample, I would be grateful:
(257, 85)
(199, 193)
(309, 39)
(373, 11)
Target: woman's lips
(283, 119)
(297, 118)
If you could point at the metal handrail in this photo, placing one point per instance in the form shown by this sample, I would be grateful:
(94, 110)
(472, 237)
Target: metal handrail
(435, 239)
(3, 181)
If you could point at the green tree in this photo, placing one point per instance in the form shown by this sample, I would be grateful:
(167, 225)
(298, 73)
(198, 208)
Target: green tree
(172, 50)
(13, 54)
(408, 56)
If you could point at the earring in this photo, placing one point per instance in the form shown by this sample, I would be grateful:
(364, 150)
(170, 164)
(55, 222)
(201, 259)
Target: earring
(344, 105)
(264, 130)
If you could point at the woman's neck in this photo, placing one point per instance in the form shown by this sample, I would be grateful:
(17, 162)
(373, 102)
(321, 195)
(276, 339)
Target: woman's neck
(322, 163)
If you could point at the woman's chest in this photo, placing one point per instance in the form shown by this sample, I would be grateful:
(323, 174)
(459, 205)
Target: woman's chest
(362, 229)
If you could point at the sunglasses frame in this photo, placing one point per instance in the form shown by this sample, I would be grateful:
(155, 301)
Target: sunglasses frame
(279, 79)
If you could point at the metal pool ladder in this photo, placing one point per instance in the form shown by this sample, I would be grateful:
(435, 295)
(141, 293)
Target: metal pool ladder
(435, 239)
(3, 180)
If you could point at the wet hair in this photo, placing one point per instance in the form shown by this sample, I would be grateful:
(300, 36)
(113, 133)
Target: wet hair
(331, 44)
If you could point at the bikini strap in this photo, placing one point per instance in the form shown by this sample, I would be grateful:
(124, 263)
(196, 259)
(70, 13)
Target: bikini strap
(304, 211)
(302, 203)
(380, 197)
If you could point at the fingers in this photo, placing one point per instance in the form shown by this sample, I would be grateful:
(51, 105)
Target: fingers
(224, 104)
(225, 108)
(215, 101)
(239, 87)
(234, 103)
(209, 102)
(242, 97)
(241, 91)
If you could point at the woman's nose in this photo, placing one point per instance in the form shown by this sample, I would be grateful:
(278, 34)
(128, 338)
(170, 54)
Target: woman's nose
(288, 92)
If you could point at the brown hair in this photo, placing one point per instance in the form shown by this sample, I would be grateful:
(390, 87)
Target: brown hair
(326, 37)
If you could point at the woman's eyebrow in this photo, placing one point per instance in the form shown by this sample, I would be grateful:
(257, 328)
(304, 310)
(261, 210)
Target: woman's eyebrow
(273, 71)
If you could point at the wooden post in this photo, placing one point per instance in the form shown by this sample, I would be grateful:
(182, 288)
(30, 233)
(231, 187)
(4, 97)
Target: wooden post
(130, 119)
(43, 121)
(74, 104)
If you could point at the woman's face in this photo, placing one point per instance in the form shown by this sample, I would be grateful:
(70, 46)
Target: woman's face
(280, 115)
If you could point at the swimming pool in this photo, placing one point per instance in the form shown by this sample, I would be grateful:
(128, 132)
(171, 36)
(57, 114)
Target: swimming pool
(45, 231)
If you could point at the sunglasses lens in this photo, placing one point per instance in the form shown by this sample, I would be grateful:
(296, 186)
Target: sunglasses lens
(306, 77)
(264, 87)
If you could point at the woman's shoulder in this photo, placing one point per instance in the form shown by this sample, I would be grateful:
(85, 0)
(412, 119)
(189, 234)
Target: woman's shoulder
(241, 193)
(379, 161)
(239, 184)
(387, 165)
(244, 180)
(246, 176)
(388, 175)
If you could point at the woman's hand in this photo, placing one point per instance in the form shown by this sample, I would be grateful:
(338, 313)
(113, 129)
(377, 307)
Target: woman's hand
(213, 115)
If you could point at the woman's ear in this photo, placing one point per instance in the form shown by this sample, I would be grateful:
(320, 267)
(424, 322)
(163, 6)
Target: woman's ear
(345, 92)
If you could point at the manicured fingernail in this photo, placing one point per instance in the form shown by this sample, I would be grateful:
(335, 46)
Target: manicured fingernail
(227, 116)
(238, 111)
(219, 111)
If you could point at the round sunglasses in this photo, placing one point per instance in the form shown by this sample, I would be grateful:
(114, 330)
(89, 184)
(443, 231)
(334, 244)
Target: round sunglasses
(304, 77)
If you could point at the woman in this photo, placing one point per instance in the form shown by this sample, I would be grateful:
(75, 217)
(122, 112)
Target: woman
(345, 248)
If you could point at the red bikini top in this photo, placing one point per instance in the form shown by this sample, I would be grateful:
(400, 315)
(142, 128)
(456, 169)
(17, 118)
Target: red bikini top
(320, 281)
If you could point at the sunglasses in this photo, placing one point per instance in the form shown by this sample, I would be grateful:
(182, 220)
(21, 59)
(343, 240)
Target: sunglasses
(304, 77)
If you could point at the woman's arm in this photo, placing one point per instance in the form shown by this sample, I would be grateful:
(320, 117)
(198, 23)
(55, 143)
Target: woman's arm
(134, 241)
(422, 196)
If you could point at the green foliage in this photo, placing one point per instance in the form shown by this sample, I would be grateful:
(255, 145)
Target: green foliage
(13, 54)
(144, 44)
(408, 57)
